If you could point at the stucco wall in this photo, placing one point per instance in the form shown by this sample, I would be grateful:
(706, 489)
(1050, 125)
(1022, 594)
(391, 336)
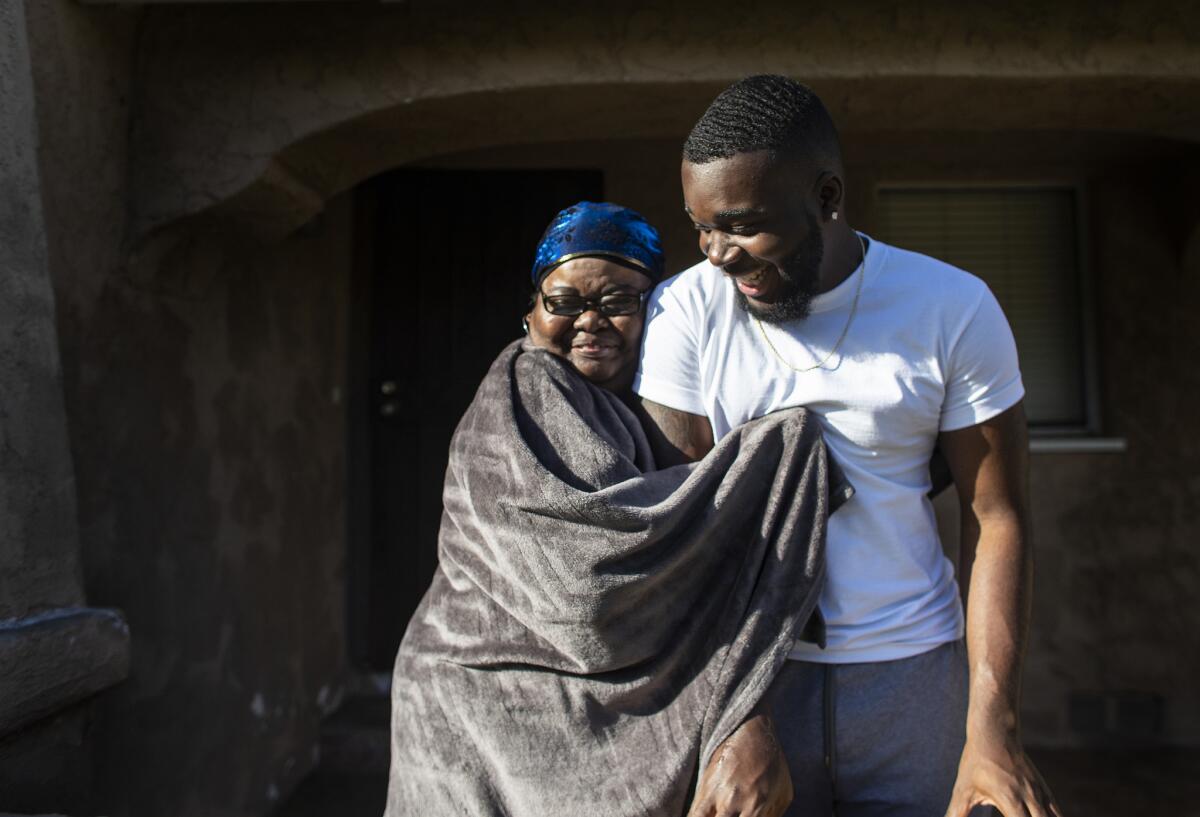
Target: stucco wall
(39, 563)
(213, 484)
(1133, 574)
(39, 541)
(205, 422)
(266, 119)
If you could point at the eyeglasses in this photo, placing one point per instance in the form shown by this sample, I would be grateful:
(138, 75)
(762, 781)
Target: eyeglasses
(617, 303)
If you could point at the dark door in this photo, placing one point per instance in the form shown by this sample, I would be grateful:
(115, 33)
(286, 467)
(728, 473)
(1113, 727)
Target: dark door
(449, 282)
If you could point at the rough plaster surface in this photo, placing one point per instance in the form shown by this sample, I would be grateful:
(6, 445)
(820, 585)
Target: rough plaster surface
(268, 119)
(39, 561)
(212, 487)
(223, 537)
(1133, 576)
(52, 660)
(208, 453)
(44, 768)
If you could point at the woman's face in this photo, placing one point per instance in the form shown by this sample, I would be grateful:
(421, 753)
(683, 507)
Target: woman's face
(604, 349)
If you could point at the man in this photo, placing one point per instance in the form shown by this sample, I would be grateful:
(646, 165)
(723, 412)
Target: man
(897, 354)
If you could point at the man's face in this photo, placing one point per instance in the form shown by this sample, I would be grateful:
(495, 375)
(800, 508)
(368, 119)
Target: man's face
(755, 224)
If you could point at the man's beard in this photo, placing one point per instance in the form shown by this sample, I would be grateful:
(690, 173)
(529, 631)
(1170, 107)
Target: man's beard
(800, 274)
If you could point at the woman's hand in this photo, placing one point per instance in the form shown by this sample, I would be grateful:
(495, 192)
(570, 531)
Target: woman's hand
(748, 775)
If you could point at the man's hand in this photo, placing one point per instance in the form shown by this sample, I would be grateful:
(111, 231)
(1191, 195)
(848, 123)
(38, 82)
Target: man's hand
(748, 775)
(675, 436)
(996, 771)
(989, 463)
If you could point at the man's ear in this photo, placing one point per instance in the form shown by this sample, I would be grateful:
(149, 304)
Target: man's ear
(830, 192)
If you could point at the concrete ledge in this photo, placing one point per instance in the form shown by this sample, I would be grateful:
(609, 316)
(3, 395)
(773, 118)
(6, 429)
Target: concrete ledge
(53, 659)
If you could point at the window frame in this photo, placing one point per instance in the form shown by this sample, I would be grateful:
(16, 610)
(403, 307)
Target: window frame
(1092, 422)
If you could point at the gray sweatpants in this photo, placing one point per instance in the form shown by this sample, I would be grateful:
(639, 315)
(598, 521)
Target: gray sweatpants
(866, 740)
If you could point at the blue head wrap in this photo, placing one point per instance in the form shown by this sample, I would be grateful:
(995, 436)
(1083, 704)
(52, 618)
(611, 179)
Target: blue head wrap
(588, 229)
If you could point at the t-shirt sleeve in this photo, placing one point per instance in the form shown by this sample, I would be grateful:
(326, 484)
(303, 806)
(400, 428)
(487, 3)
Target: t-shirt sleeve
(669, 369)
(984, 377)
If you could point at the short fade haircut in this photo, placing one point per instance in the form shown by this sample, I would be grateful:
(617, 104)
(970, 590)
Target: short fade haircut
(765, 112)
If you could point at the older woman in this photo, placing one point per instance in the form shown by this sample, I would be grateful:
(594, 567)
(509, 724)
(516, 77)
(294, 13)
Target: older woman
(592, 272)
(599, 634)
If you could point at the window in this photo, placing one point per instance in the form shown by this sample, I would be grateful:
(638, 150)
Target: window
(1023, 242)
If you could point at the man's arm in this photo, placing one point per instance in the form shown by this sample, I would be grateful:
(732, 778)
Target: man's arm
(748, 774)
(675, 436)
(990, 466)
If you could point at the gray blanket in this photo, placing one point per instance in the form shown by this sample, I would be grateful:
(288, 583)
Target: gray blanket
(595, 627)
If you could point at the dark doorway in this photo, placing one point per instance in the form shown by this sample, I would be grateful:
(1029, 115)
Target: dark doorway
(443, 283)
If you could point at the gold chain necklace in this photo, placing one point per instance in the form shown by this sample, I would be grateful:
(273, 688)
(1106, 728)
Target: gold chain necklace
(849, 319)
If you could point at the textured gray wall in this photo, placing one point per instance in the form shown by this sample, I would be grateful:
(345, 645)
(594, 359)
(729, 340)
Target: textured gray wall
(39, 544)
(264, 119)
(213, 487)
(39, 534)
(207, 446)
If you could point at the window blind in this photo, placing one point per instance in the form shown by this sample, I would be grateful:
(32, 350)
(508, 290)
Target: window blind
(1022, 242)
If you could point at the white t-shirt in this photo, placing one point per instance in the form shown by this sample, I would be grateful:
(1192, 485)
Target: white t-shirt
(928, 350)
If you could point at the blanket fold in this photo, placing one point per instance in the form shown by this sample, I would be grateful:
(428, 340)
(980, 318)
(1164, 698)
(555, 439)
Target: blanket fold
(595, 627)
